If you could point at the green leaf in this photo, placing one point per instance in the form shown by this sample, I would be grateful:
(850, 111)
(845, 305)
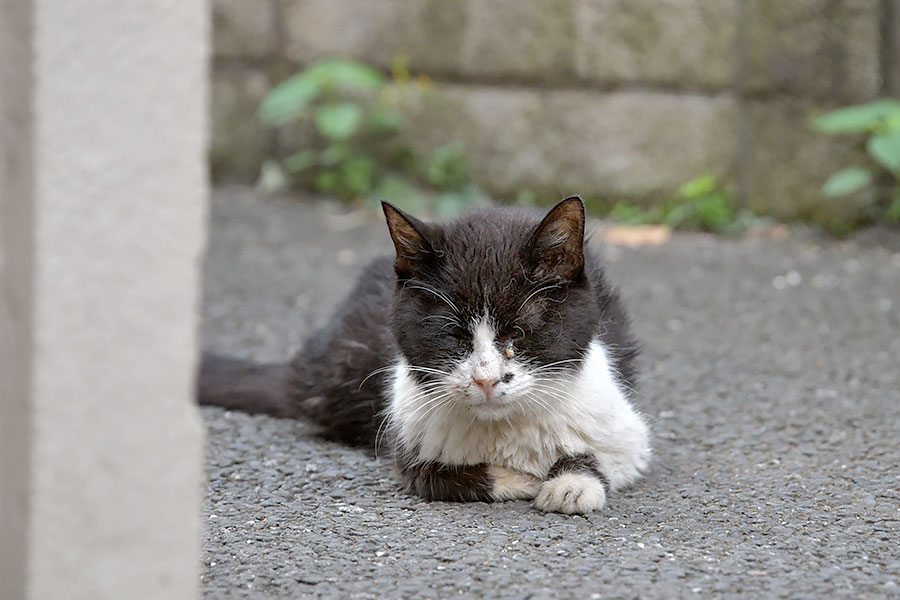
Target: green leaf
(451, 204)
(341, 72)
(289, 100)
(847, 181)
(679, 216)
(857, 119)
(892, 123)
(631, 214)
(358, 175)
(447, 167)
(338, 121)
(699, 186)
(526, 197)
(334, 154)
(892, 212)
(399, 192)
(402, 159)
(885, 149)
(385, 121)
(715, 212)
(327, 181)
(300, 161)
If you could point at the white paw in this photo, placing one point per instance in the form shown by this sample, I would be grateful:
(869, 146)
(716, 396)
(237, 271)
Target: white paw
(508, 484)
(571, 493)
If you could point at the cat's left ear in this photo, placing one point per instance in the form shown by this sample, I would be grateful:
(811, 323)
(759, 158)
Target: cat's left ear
(556, 248)
(408, 235)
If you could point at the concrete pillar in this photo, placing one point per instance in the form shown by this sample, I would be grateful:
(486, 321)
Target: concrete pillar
(16, 229)
(102, 215)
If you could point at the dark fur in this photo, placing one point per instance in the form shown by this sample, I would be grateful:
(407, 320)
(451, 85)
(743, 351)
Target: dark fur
(245, 385)
(450, 483)
(581, 464)
(496, 258)
(490, 259)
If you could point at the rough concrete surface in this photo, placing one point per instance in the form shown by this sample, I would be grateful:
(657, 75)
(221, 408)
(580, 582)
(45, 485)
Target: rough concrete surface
(103, 198)
(771, 379)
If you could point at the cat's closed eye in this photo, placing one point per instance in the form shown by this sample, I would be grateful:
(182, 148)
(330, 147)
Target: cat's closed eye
(512, 334)
(460, 336)
(458, 332)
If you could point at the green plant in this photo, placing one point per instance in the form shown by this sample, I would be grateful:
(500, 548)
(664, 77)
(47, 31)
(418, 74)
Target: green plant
(447, 170)
(633, 214)
(352, 111)
(700, 204)
(334, 97)
(879, 123)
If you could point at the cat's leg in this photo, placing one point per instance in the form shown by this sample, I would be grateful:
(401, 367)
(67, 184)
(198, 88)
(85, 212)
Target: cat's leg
(509, 484)
(619, 446)
(451, 483)
(574, 485)
(580, 483)
(622, 448)
(468, 483)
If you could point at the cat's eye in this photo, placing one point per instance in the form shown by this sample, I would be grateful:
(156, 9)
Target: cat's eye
(510, 349)
(460, 337)
(459, 333)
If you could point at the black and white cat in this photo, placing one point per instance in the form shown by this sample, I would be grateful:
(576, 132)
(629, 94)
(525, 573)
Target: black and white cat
(490, 356)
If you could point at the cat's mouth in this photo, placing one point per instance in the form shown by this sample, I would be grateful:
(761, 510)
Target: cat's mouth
(489, 408)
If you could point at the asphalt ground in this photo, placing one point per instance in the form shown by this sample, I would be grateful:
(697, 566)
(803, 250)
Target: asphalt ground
(771, 379)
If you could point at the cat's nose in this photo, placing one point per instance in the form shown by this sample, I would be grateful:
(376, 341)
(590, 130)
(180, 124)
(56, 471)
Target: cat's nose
(486, 385)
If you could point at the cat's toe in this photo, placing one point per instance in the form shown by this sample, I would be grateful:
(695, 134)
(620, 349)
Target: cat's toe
(508, 484)
(571, 493)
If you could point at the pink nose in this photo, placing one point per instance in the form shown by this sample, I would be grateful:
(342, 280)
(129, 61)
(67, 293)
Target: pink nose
(486, 385)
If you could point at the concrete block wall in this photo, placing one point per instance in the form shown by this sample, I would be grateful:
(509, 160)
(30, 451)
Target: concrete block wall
(607, 98)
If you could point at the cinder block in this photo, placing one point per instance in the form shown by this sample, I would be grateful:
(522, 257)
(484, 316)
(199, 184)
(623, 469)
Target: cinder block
(243, 28)
(529, 39)
(239, 142)
(787, 163)
(630, 144)
(428, 32)
(813, 48)
(671, 42)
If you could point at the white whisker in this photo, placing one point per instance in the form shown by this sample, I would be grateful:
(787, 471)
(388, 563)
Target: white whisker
(535, 293)
(427, 370)
(417, 285)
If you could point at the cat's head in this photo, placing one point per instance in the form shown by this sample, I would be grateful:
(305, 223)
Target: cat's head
(493, 309)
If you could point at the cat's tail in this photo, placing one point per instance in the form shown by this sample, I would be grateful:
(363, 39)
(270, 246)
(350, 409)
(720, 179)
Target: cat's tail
(246, 386)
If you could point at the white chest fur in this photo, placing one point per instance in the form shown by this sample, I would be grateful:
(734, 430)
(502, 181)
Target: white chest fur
(584, 414)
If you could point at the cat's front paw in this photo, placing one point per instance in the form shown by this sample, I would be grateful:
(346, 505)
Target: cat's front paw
(571, 493)
(509, 484)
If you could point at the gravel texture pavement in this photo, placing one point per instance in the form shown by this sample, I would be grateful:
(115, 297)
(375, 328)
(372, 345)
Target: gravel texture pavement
(771, 378)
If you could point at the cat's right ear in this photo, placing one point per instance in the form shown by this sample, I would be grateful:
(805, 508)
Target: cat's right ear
(556, 248)
(407, 233)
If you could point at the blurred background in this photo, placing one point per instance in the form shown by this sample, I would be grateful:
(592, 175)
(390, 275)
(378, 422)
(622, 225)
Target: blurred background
(703, 114)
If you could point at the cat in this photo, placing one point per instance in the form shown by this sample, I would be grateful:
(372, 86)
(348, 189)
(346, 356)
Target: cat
(490, 356)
